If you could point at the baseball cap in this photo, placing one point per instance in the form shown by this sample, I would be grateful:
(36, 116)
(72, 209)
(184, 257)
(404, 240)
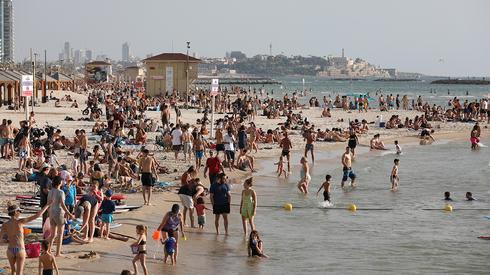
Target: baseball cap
(108, 193)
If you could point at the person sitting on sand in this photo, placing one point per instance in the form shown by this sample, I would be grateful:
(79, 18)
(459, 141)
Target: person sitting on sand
(13, 230)
(326, 112)
(426, 137)
(245, 161)
(376, 143)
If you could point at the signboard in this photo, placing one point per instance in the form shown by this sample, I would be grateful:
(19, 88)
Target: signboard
(169, 76)
(214, 87)
(27, 85)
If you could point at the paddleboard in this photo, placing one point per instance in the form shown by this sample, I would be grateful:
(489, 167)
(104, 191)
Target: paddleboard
(484, 237)
(119, 211)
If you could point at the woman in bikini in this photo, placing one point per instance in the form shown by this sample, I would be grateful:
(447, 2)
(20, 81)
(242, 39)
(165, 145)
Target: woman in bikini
(14, 230)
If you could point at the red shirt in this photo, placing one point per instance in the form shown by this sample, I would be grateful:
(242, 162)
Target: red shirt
(213, 165)
(200, 209)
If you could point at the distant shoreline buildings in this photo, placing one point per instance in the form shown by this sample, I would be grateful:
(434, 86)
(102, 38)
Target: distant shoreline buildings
(343, 67)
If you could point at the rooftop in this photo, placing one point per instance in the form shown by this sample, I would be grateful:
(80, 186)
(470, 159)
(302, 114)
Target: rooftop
(172, 57)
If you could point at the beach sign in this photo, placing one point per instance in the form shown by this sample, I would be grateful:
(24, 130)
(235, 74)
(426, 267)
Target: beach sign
(27, 85)
(214, 87)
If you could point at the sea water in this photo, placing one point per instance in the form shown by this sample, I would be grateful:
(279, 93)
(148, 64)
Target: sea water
(397, 237)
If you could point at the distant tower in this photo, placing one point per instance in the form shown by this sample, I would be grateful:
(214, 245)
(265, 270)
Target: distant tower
(343, 53)
(6, 31)
(125, 52)
(270, 49)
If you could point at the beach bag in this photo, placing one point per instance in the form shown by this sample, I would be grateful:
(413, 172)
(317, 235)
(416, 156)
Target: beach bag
(135, 249)
(33, 250)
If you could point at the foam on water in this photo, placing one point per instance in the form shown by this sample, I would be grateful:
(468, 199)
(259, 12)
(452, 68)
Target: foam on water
(325, 204)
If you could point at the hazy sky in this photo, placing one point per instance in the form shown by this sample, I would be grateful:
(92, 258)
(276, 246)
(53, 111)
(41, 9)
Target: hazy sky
(408, 35)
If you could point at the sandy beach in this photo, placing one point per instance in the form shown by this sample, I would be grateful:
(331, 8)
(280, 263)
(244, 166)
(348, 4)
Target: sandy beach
(114, 256)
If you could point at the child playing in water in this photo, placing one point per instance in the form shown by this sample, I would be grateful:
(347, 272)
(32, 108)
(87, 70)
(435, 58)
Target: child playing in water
(326, 188)
(142, 231)
(248, 205)
(394, 175)
(47, 261)
(398, 148)
(201, 212)
(255, 245)
(169, 247)
(280, 167)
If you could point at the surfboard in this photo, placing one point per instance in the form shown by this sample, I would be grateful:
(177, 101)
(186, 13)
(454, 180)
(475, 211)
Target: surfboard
(484, 237)
(129, 207)
(119, 211)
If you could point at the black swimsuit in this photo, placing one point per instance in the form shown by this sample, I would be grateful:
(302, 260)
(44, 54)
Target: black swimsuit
(142, 251)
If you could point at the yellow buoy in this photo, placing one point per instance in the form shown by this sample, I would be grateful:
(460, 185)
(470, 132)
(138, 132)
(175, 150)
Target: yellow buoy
(288, 207)
(448, 208)
(352, 207)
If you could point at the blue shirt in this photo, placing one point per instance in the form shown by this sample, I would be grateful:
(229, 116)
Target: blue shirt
(108, 206)
(220, 193)
(70, 194)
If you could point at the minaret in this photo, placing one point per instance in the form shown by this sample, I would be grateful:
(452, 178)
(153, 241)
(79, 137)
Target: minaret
(343, 53)
(270, 49)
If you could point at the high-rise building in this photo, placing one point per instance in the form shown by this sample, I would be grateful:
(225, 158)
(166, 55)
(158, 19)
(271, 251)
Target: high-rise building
(125, 52)
(88, 55)
(66, 51)
(6, 31)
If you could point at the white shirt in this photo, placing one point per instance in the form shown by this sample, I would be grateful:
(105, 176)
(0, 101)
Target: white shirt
(485, 105)
(176, 137)
(229, 142)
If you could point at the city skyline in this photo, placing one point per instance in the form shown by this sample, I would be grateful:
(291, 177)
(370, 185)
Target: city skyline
(408, 36)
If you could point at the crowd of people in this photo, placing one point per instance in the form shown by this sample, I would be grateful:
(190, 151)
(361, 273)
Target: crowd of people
(83, 188)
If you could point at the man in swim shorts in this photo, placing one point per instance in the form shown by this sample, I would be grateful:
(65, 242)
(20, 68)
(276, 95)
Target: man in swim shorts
(148, 169)
(347, 168)
(286, 146)
(310, 139)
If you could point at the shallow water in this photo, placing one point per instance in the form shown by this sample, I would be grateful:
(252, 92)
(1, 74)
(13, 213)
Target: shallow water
(403, 240)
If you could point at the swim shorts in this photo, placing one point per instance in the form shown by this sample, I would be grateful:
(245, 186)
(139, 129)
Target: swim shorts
(309, 147)
(348, 173)
(187, 147)
(107, 218)
(147, 179)
(285, 153)
(230, 154)
(199, 154)
(326, 196)
(221, 209)
(187, 201)
(177, 147)
(220, 147)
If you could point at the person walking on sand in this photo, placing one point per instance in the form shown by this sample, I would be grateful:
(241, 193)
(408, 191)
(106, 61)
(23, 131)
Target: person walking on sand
(57, 211)
(394, 178)
(309, 147)
(83, 151)
(248, 205)
(305, 177)
(220, 196)
(176, 140)
(13, 229)
(47, 262)
(140, 243)
(347, 168)
(286, 147)
(214, 166)
(148, 169)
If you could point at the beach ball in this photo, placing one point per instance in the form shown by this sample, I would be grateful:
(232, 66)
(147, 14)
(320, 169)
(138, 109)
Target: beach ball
(352, 207)
(448, 208)
(288, 206)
